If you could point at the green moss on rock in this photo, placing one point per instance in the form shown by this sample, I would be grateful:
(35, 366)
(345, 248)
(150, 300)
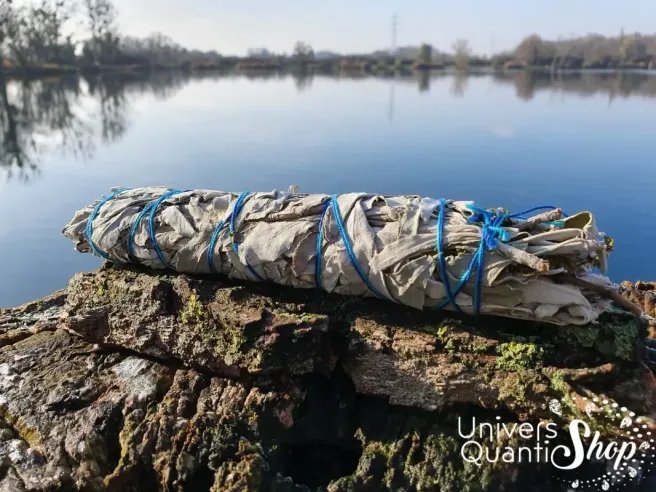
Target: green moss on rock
(193, 312)
(615, 336)
(515, 356)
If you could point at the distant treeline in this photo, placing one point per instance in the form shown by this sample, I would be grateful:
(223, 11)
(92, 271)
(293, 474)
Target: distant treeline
(41, 36)
(594, 51)
(587, 52)
(36, 38)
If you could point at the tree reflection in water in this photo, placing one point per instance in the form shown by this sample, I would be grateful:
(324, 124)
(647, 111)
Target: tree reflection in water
(69, 115)
(613, 84)
(74, 114)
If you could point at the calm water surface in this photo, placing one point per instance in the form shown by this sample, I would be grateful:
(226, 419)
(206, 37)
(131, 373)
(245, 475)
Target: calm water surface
(579, 142)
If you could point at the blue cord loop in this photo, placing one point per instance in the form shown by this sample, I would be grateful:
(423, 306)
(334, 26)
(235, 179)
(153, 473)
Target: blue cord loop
(349, 249)
(212, 246)
(233, 228)
(231, 221)
(137, 222)
(523, 215)
(215, 235)
(491, 225)
(151, 223)
(492, 231)
(88, 231)
(319, 247)
(444, 277)
(135, 227)
(553, 223)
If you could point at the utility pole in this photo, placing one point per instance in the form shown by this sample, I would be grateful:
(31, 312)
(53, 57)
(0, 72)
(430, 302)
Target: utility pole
(395, 26)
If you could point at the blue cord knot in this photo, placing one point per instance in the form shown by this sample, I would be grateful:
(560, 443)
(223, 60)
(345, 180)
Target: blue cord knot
(491, 232)
(490, 221)
(491, 235)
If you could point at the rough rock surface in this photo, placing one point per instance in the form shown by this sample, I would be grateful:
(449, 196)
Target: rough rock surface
(134, 381)
(643, 294)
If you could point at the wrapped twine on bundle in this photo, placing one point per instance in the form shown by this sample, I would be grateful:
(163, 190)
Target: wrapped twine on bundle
(412, 250)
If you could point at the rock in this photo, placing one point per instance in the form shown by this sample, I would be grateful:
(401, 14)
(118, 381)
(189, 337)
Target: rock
(222, 329)
(643, 294)
(19, 323)
(130, 380)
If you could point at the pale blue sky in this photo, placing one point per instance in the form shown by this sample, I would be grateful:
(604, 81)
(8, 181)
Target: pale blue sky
(232, 27)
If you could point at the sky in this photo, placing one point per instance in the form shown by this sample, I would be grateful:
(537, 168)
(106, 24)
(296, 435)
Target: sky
(232, 27)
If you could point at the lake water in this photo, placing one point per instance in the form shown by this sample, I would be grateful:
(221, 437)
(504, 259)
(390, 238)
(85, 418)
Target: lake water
(518, 140)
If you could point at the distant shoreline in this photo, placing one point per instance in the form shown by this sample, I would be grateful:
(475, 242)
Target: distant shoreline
(250, 66)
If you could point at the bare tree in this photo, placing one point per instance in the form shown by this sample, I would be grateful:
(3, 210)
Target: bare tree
(260, 53)
(530, 50)
(33, 33)
(303, 52)
(6, 10)
(15, 41)
(632, 47)
(5, 17)
(44, 26)
(159, 50)
(461, 53)
(425, 54)
(101, 21)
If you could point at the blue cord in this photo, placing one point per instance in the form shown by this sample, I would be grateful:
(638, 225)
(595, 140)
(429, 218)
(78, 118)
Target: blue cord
(233, 220)
(444, 277)
(492, 231)
(213, 240)
(88, 231)
(215, 235)
(135, 227)
(349, 248)
(151, 224)
(522, 215)
(241, 199)
(318, 252)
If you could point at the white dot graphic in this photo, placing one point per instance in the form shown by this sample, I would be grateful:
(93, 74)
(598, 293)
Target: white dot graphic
(616, 477)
